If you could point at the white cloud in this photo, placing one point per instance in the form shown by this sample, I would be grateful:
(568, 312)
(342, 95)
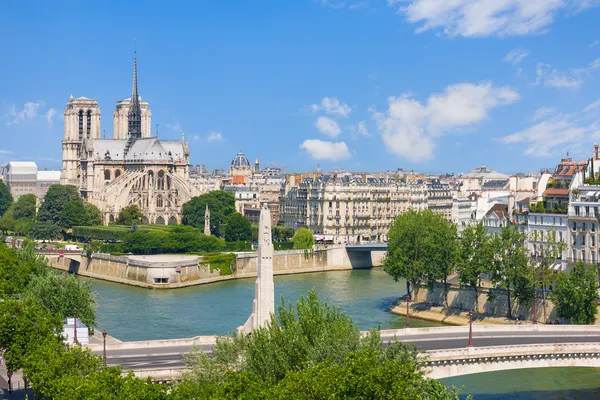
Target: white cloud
(594, 44)
(5, 151)
(28, 112)
(175, 126)
(195, 137)
(410, 129)
(515, 56)
(541, 113)
(332, 106)
(557, 133)
(572, 79)
(49, 115)
(328, 126)
(362, 129)
(340, 4)
(323, 150)
(214, 136)
(480, 18)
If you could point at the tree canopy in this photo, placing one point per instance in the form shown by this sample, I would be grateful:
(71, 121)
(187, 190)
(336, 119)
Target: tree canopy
(24, 207)
(6, 198)
(221, 205)
(303, 239)
(421, 246)
(130, 215)
(63, 207)
(310, 351)
(238, 228)
(575, 294)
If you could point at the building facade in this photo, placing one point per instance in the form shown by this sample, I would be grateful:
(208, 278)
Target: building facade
(439, 198)
(349, 208)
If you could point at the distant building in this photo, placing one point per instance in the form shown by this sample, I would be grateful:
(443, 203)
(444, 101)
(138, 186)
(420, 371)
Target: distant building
(21, 178)
(496, 218)
(439, 198)
(45, 179)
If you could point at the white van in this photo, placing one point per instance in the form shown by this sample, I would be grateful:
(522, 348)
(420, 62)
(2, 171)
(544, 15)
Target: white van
(72, 247)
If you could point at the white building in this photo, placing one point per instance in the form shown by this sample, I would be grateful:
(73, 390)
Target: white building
(45, 179)
(21, 178)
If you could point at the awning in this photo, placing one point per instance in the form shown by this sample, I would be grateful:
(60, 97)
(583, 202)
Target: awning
(319, 237)
(328, 237)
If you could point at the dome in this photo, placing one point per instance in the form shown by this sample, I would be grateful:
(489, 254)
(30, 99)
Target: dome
(240, 160)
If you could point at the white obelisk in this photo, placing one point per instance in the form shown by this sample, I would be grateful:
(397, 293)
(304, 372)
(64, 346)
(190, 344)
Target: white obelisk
(264, 297)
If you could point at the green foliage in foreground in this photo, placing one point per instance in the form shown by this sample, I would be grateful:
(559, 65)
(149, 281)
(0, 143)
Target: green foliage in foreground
(311, 352)
(575, 294)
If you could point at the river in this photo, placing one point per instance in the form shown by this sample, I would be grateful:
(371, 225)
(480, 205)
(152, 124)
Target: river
(131, 313)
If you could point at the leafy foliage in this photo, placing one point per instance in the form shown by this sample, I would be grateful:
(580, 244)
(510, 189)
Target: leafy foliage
(575, 294)
(281, 233)
(24, 207)
(238, 228)
(63, 207)
(312, 351)
(61, 293)
(45, 230)
(220, 203)
(421, 246)
(6, 198)
(92, 214)
(303, 239)
(219, 261)
(177, 239)
(130, 215)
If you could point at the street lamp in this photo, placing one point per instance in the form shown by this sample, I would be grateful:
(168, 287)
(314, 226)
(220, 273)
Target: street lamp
(104, 350)
(470, 329)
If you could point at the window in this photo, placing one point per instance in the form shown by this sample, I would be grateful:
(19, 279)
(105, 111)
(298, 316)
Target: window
(159, 202)
(117, 173)
(583, 226)
(80, 124)
(593, 241)
(535, 220)
(89, 123)
(587, 210)
(542, 220)
(107, 175)
(593, 227)
(330, 204)
(575, 226)
(560, 236)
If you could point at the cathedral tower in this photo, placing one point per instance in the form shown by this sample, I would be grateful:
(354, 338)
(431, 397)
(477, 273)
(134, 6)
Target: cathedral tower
(82, 122)
(134, 118)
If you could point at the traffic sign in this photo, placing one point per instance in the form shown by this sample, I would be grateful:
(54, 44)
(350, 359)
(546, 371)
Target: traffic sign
(61, 254)
(9, 373)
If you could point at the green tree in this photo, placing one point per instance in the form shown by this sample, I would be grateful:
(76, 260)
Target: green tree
(130, 215)
(476, 257)
(546, 256)
(6, 198)
(442, 250)
(221, 205)
(312, 351)
(303, 239)
(575, 294)
(238, 228)
(421, 245)
(62, 206)
(24, 207)
(7, 221)
(24, 324)
(281, 233)
(93, 216)
(45, 230)
(511, 265)
(62, 293)
(18, 267)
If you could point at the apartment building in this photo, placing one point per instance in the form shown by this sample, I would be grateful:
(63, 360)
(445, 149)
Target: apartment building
(349, 208)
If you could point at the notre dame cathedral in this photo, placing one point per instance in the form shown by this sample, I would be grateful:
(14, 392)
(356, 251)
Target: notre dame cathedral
(131, 168)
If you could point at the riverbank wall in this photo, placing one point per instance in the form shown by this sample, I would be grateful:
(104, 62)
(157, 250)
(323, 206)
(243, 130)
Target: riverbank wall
(428, 303)
(175, 271)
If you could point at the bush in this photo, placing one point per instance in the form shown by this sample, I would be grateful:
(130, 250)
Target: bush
(177, 239)
(238, 246)
(303, 239)
(279, 246)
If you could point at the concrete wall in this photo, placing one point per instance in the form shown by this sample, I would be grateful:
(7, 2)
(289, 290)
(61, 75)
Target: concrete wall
(496, 304)
(138, 271)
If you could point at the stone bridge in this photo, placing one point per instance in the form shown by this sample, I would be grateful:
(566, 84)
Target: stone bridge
(474, 360)
(496, 348)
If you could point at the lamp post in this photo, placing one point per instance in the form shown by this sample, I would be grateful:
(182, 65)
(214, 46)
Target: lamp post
(408, 312)
(104, 349)
(75, 326)
(470, 329)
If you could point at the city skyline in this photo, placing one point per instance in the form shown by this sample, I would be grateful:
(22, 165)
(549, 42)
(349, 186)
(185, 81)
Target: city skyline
(514, 93)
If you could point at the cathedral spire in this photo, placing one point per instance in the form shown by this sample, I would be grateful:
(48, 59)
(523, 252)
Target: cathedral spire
(134, 118)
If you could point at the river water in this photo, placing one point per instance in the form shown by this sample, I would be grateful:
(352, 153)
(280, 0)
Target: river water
(130, 313)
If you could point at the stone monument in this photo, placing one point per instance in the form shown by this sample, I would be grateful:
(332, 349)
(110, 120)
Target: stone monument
(264, 297)
(207, 221)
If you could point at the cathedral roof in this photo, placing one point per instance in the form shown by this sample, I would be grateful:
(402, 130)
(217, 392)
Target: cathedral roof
(149, 149)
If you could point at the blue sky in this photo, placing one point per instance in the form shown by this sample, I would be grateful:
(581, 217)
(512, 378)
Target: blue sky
(372, 85)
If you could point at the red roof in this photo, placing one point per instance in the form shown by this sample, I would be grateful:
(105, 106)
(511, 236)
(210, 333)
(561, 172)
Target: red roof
(556, 192)
(569, 168)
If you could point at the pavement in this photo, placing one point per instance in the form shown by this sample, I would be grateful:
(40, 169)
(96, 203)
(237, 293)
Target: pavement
(172, 357)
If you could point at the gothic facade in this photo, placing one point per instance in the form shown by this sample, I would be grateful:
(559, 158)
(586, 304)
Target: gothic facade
(131, 168)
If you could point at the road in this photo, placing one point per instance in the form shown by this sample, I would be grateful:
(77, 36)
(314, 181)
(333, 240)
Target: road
(172, 357)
